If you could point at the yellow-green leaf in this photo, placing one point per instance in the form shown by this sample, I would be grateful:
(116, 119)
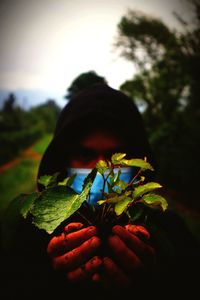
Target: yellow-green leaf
(48, 180)
(116, 199)
(117, 157)
(121, 206)
(122, 184)
(67, 181)
(45, 180)
(137, 162)
(101, 166)
(155, 200)
(145, 188)
(101, 201)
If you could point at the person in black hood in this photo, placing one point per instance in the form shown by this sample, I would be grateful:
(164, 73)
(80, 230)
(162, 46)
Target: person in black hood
(99, 108)
(95, 124)
(81, 260)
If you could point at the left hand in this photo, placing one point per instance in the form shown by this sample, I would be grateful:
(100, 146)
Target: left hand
(131, 255)
(75, 252)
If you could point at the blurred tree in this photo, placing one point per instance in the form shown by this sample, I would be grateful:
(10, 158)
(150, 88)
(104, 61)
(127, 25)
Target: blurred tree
(20, 129)
(9, 104)
(83, 81)
(167, 87)
(46, 115)
(15, 131)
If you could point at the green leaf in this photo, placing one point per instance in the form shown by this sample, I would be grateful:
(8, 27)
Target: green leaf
(117, 157)
(28, 203)
(48, 180)
(111, 178)
(67, 181)
(117, 176)
(90, 178)
(17, 209)
(121, 206)
(58, 203)
(122, 184)
(145, 188)
(45, 180)
(100, 202)
(116, 199)
(136, 212)
(54, 206)
(102, 166)
(155, 201)
(137, 162)
(110, 187)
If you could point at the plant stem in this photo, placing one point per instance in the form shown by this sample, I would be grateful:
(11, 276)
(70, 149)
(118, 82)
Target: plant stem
(103, 190)
(82, 216)
(104, 183)
(132, 180)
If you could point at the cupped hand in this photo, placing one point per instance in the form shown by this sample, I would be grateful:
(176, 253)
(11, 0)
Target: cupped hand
(75, 252)
(131, 255)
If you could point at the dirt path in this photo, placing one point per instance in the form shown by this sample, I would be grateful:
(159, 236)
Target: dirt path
(29, 153)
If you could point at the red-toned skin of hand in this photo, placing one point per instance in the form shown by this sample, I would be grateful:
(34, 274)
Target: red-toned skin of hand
(85, 272)
(72, 248)
(137, 242)
(76, 252)
(131, 254)
(68, 240)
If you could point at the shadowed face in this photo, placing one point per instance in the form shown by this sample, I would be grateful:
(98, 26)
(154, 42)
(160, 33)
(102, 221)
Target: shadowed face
(92, 148)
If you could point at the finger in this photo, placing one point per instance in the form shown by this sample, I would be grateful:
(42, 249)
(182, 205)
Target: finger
(73, 227)
(127, 258)
(86, 271)
(77, 256)
(118, 277)
(142, 249)
(58, 245)
(138, 230)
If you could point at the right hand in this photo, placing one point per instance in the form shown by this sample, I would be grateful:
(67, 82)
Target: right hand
(131, 258)
(75, 252)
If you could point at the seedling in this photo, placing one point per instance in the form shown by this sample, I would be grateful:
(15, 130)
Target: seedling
(58, 200)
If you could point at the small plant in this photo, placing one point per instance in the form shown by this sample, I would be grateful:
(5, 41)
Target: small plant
(58, 200)
(134, 198)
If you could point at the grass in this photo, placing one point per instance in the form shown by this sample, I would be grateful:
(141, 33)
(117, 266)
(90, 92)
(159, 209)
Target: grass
(21, 177)
(42, 144)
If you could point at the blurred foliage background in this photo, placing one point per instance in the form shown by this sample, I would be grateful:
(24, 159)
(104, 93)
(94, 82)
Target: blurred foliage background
(165, 89)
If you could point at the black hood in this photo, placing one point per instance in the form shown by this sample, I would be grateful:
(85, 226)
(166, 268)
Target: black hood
(96, 107)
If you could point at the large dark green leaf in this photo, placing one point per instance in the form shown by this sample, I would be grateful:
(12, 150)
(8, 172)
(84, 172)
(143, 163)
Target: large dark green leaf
(58, 203)
(28, 203)
(18, 208)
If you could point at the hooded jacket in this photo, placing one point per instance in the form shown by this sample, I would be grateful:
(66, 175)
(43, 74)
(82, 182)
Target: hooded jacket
(97, 107)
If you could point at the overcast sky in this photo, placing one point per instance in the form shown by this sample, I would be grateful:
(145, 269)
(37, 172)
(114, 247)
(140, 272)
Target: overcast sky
(45, 44)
